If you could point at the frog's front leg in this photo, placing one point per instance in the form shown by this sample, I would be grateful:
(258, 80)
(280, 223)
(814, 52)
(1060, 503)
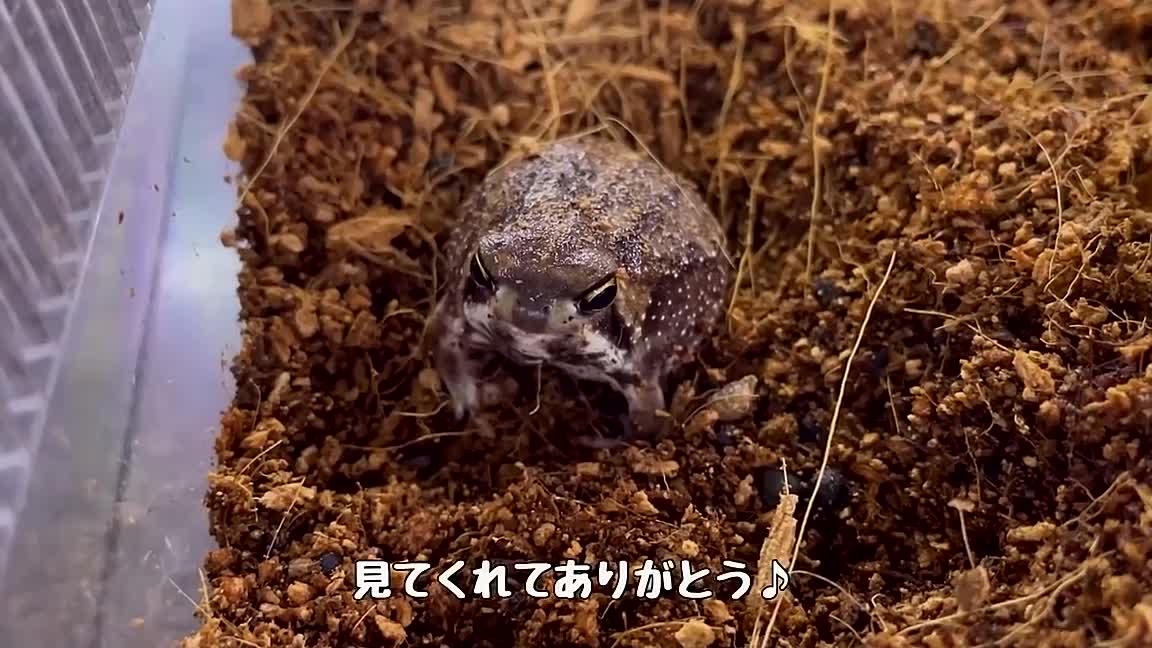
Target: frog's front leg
(646, 403)
(643, 421)
(455, 360)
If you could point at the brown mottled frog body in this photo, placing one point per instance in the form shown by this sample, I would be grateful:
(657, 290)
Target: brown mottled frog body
(588, 256)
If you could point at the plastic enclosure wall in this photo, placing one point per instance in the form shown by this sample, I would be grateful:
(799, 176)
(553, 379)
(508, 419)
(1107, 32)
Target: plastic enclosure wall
(65, 70)
(118, 312)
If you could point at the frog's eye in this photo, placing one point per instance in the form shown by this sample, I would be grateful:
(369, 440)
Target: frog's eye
(598, 297)
(479, 272)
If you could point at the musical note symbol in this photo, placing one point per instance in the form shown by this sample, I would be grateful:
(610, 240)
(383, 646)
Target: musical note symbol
(780, 581)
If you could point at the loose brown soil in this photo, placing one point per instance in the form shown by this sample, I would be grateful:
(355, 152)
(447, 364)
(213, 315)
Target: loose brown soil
(988, 481)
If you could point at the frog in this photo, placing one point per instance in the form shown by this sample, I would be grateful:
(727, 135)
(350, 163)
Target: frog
(584, 254)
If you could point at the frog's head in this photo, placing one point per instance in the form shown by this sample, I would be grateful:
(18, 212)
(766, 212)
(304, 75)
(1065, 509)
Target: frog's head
(543, 298)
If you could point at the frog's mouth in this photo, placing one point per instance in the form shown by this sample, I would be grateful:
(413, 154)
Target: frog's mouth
(519, 345)
(522, 346)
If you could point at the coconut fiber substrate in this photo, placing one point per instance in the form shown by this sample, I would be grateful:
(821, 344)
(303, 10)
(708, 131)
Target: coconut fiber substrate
(940, 215)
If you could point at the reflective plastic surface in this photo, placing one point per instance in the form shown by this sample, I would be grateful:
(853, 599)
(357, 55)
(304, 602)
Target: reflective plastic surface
(108, 546)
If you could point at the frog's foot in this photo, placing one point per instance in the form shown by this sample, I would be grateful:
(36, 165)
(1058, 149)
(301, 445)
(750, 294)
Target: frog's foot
(457, 365)
(633, 428)
(646, 419)
(465, 397)
(461, 375)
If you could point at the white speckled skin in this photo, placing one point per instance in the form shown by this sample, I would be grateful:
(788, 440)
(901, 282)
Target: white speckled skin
(549, 226)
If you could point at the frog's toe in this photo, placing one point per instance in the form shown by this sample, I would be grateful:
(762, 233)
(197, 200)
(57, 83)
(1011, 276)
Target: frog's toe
(646, 425)
(463, 398)
(645, 418)
(459, 410)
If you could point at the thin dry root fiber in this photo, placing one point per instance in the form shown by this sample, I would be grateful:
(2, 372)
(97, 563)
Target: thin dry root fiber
(777, 547)
(999, 360)
(776, 550)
